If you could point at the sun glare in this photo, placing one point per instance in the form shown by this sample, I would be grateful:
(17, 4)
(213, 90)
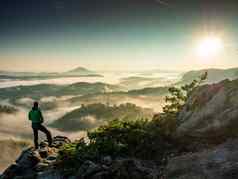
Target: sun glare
(209, 47)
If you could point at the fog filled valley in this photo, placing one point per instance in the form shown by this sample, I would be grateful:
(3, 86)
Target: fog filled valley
(73, 107)
(70, 109)
(62, 100)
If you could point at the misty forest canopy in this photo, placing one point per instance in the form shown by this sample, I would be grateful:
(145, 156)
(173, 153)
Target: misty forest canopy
(42, 90)
(124, 88)
(94, 115)
(6, 109)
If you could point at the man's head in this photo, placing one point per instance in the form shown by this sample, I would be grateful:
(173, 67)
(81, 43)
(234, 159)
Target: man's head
(35, 105)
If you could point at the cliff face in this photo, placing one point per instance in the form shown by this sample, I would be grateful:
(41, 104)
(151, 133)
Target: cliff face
(217, 163)
(211, 111)
(211, 114)
(36, 163)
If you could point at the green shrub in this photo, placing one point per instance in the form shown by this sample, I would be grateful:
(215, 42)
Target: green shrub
(79, 119)
(118, 138)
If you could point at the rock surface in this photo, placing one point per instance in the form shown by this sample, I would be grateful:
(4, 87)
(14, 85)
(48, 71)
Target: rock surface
(36, 163)
(218, 163)
(211, 112)
(120, 169)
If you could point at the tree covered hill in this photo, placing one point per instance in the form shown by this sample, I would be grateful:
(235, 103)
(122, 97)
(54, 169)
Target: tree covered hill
(116, 97)
(155, 91)
(4, 109)
(93, 115)
(43, 90)
(76, 72)
(138, 82)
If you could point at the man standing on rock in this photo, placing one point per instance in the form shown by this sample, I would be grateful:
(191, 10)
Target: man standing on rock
(37, 119)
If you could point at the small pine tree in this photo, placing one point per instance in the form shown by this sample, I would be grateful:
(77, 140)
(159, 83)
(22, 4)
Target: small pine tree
(175, 101)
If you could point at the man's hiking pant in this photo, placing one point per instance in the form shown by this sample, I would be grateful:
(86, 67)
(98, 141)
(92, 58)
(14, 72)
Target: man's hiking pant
(39, 127)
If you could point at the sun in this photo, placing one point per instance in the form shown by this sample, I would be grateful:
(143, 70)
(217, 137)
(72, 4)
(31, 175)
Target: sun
(209, 47)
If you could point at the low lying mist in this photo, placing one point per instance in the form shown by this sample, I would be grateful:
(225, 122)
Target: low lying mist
(16, 127)
(10, 150)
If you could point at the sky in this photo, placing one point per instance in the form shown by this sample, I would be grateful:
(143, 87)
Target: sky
(57, 35)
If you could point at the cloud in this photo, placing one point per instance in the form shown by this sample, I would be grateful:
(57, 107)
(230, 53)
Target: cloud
(17, 126)
(9, 151)
(25, 101)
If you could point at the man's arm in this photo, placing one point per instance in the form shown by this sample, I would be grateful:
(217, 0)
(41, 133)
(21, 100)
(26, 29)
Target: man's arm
(41, 116)
(29, 116)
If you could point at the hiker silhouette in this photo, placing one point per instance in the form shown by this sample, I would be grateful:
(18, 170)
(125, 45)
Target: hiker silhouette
(36, 117)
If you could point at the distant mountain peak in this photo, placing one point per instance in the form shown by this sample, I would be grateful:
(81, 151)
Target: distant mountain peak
(78, 69)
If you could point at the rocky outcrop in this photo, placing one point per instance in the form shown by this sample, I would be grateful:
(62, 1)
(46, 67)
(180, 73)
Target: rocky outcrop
(36, 163)
(218, 163)
(119, 169)
(42, 164)
(211, 112)
(210, 117)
